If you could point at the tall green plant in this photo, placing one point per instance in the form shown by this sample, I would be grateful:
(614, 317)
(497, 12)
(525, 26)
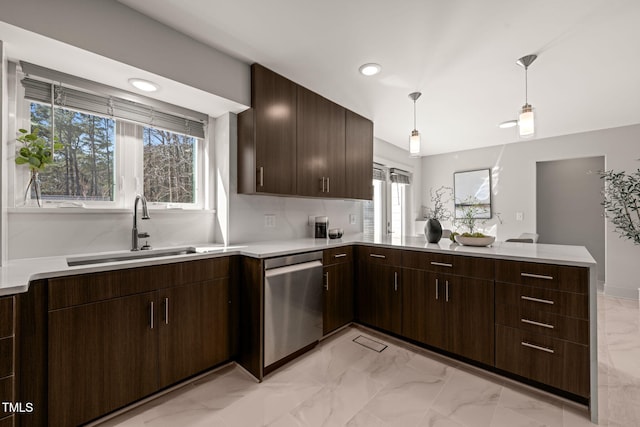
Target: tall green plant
(36, 152)
(622, 202)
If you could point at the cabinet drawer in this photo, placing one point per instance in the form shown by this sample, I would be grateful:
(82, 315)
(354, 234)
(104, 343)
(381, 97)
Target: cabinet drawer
(546, 300)
(337, 255)
(6, 317)
(550, 276)
(377, 255)
(205, 269)
(528, 318)
(6, 356)
(6, 393)
(560, 364)
(481, 268)
(86, 288)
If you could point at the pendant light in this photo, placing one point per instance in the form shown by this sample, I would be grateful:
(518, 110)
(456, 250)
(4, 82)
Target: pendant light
(414, 140)
(526, 125)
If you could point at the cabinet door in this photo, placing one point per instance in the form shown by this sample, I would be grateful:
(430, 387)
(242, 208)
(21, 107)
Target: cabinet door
(102, 356)
(321, 146)
(359, 157)
(193, 329)
(470, 317)
(423, 316)
(338, 296)
(379, 296)
(273, 99)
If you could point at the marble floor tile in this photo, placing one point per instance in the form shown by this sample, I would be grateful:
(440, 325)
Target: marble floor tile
(343, 383)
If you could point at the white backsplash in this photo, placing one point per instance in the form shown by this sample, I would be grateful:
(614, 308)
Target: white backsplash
(57, 233)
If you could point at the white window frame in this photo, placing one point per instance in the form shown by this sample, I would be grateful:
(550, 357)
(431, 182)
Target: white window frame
(128, 165)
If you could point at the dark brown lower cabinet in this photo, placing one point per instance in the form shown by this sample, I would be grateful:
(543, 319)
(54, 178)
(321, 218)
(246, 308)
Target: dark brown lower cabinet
(338, 296)
(453, 313)
(558, 363)
(102, 356)
(378, 296)
(193, 325)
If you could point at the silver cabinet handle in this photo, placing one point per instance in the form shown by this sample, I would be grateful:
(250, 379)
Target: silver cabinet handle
(328, 184)
(377, 256)
(323, 184)
(532, 322)
(544, 301)
(326, 281)
(166, 311)
(446, 287)
(261, 176)
(536, 276)
(441, 264)
(340, 255)
(151, 314)
(537, 347)
(395, 281)
(437, 286)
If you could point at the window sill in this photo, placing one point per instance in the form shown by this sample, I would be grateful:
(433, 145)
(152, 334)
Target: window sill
(85, 210)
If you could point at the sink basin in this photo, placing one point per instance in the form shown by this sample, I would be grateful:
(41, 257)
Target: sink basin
(128, 256)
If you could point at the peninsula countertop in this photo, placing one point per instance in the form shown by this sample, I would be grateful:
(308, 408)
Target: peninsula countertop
(16, 274)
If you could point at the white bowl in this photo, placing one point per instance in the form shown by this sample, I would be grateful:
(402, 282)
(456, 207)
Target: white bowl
(475, 241)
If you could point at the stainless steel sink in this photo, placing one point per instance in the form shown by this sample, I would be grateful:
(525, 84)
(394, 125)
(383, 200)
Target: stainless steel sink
(128, 256)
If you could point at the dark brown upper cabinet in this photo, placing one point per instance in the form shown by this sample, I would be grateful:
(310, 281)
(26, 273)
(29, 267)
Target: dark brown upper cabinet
(267, 136)
(295, 142)
(321, 146)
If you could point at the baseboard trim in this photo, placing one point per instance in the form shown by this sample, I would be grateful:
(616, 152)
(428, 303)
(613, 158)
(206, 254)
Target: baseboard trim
(616, 291)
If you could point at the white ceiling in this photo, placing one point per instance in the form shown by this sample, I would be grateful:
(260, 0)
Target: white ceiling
(460, 54)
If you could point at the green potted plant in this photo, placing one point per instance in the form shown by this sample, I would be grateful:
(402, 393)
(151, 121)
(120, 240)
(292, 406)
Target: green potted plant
(438, 213)
(36, 153)
(622, 202)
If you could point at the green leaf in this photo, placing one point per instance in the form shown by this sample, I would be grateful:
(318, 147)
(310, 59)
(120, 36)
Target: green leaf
(23, 131)
(24, 151)
(34, 161)
(21, 160)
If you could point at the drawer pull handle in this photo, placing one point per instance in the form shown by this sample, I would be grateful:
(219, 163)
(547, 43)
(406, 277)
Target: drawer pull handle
(326, 281)
(151, 315)
(537, 347)
(446, 283)
(377, 256)
(437, 288)
(536, 276)
(544, 301)
(166, 311)
(340, 255)
(441, 264)
(532, 322)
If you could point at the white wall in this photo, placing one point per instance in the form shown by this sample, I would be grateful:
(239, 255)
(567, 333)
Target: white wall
(116, 31)
(514, 187)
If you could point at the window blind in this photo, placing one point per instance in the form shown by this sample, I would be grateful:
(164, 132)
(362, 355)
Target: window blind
(111, 106)
(379, 174)
(400, 176)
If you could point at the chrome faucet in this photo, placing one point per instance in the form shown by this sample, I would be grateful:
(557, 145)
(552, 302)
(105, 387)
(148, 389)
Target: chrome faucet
(134, 232)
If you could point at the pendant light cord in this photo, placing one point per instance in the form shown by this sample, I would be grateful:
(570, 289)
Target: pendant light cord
(414, 114)
(526, 86)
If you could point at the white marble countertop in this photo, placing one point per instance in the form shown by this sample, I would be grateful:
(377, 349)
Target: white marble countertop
(15, 275)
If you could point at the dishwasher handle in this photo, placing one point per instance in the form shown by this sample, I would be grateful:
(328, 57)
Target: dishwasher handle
(292, 268)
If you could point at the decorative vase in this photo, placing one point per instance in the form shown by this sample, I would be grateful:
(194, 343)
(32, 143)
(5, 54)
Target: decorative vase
(33, 185)
(433, 230)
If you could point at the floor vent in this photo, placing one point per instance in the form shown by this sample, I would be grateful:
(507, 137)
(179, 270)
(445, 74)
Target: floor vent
(370, 344)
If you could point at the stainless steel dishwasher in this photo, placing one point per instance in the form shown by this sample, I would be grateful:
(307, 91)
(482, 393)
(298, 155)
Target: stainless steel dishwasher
(292, 304)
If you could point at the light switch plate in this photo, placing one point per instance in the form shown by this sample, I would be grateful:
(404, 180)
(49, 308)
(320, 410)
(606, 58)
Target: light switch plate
(269, 221)
(519, 216)
(352, 219)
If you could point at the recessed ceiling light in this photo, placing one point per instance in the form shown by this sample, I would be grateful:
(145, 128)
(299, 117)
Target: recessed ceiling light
(144, 85)
(370, 69)
(508, 124)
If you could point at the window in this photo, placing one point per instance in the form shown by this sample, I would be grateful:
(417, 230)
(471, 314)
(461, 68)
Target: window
(387, 213)
(112, 147)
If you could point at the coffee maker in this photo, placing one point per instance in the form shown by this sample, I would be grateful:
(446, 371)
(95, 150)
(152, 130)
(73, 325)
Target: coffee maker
(322, 225)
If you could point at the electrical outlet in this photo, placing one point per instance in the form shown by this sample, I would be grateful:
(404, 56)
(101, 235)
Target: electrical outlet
(269, 221)
(352, 219)
(519, 216)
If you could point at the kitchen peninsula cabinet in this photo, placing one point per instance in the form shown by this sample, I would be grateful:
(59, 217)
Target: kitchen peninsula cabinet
(452, 311)
(7, 345)
(111, 338)
(378, 295)
(338, 288)
(267, 136)
(321, 146)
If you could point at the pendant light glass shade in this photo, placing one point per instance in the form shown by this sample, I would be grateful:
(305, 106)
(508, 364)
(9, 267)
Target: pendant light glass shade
(415, 145)
(526, 123)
